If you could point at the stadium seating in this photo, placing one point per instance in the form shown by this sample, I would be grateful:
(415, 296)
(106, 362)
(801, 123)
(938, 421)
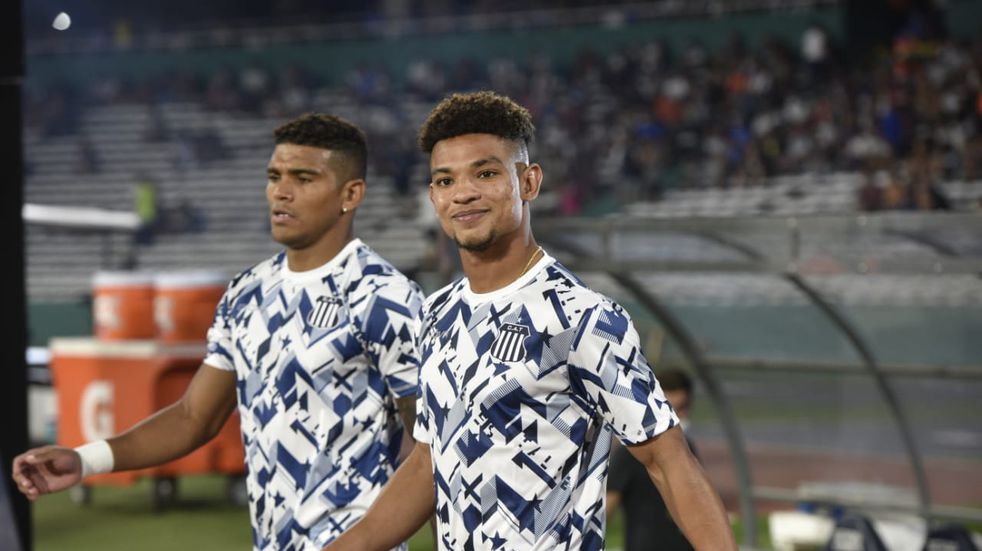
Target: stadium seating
(228, 192)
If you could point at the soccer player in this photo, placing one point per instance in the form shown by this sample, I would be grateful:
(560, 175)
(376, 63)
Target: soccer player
(526, 373)
(315, 344)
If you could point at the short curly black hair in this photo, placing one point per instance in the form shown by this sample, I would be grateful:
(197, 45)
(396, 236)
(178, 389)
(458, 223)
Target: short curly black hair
(477, 113)
(328, 132)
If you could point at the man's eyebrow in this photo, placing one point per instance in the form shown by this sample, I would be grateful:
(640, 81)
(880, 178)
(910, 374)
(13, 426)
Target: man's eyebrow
(475, 164)
(302, 171)
(294, 171)
(491, 159)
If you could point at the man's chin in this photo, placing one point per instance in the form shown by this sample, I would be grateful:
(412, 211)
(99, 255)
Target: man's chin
(475, 244)
(288, 241)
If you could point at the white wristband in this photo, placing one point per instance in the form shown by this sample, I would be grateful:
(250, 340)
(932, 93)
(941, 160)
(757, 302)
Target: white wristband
(97, 458)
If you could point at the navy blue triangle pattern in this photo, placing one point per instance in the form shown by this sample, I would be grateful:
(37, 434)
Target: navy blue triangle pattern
(520, 395)
(320, 359)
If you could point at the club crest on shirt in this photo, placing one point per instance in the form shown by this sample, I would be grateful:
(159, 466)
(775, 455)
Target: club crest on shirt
(325, 312)
(510, 344)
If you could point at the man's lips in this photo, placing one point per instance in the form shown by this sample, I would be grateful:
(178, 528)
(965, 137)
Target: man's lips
(469, 216)
(281, 215)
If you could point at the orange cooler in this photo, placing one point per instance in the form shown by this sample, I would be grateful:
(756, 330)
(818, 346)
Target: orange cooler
(122, 306)
(184, 304)
(104, 388)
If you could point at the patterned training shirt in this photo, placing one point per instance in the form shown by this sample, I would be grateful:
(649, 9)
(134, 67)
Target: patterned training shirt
(319, 358)
(520, 392)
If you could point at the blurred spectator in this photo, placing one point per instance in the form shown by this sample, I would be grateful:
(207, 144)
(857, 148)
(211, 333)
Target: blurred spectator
(157, 130)
(145, 202)
(184, 217)
(894, 193)
(208, 145)
(924, 192)
(870, 195)
(815, 50)
(222, 93)
(294, 94)
(255, 86)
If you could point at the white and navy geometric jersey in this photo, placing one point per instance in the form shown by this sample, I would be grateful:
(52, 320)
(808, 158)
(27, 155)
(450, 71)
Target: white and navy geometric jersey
(320, 358)
(520, 392)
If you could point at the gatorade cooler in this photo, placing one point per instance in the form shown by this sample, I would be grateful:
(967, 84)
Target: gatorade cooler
(104, 388)
(122, 306)
(184, 304)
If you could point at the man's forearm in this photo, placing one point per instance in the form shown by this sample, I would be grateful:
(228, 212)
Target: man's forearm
(404, 505)
(694, 504)
(181, 427)
(696, 508)
(164, 436)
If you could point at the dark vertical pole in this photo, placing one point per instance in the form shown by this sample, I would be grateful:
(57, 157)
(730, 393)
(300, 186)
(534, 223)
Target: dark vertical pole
(13, 391)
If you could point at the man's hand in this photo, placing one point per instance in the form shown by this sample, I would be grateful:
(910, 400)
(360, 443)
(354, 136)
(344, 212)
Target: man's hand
(46, 470)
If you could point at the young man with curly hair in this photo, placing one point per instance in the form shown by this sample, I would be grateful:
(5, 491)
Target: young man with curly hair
(526, 373)
(315, 346)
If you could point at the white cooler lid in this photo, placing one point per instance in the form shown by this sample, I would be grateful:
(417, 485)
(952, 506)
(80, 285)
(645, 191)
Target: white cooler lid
(107, 278)
(190, 279)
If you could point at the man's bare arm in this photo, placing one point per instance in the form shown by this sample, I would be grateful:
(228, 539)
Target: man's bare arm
(181, 427)
(694, 504)
(407, 411)
(168, 434)
(405, 503)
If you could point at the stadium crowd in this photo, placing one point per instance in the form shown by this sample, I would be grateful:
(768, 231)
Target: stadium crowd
(630, 124)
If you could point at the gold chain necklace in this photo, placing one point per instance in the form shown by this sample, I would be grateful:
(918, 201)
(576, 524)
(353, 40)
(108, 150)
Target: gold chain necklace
(529, 264)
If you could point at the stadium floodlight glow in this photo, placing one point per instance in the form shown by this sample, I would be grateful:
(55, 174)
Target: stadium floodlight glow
(62, 22)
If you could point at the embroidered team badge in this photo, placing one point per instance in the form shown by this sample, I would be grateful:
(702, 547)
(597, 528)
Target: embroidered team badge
(510, 344)
(325, 312)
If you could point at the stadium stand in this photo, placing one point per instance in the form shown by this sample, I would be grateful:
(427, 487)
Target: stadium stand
(638, 127)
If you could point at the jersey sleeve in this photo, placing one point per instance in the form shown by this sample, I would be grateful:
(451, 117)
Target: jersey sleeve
(610, 377)
(219, 354)
(388, 326)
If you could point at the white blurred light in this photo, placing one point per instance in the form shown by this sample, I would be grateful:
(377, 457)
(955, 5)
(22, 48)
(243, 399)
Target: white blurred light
(62, 22)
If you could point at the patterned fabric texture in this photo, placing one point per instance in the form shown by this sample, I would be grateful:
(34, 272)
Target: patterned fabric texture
(521, 390)
(319, 358)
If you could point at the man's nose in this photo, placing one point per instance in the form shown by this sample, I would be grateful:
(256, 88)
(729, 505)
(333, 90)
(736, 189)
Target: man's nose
(282, 190)
(466, 191)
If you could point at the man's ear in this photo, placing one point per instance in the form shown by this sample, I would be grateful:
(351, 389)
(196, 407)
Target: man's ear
(352, 193)
(531, 182)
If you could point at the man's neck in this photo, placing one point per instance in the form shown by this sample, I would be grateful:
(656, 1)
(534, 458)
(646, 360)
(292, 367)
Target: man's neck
(318, 254)
(497, 267)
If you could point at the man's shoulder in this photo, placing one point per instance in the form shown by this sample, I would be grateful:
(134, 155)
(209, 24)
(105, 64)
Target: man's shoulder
(444, 296)
(573, 295)
(368, 271)
(261, 271)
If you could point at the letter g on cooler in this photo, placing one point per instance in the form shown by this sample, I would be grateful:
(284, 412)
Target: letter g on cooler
(96, 410)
